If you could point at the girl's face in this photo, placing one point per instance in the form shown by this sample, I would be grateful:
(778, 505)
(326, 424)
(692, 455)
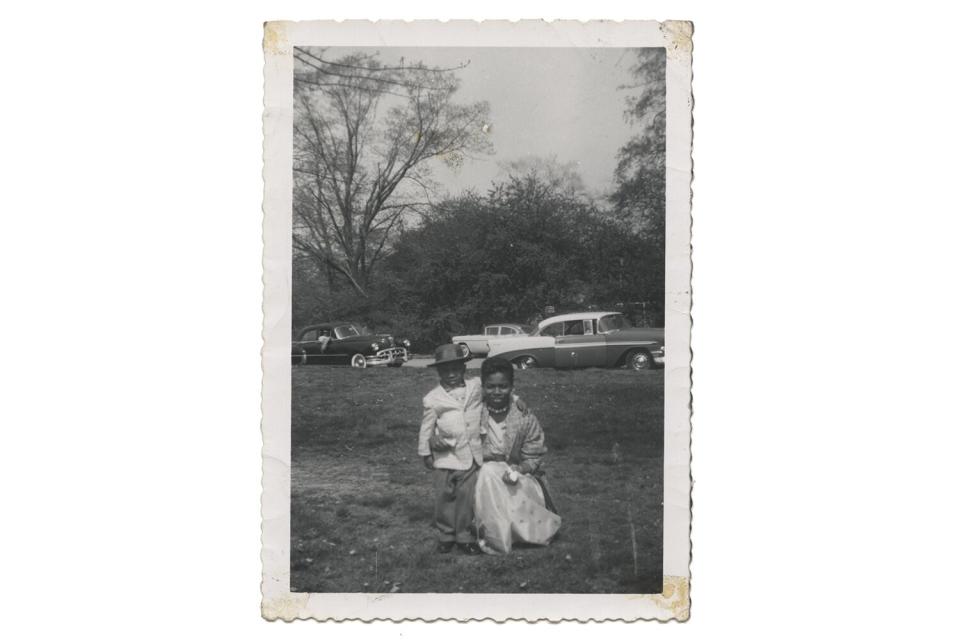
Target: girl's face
(451, 373)
(497, 388)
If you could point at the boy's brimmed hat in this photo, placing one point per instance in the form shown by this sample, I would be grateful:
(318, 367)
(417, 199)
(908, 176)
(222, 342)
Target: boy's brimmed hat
(448, 353)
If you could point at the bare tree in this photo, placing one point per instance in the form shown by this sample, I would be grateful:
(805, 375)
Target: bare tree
(364, 138)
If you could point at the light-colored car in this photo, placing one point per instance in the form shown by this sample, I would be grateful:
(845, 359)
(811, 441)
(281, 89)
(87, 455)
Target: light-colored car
(590, 339)
(478, 344)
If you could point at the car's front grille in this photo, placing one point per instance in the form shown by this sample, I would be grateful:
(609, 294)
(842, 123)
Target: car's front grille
(388, 354)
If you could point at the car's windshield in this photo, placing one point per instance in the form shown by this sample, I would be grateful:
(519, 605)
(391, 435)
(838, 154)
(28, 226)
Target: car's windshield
(347, 331)
(613, 322)
(553, 329)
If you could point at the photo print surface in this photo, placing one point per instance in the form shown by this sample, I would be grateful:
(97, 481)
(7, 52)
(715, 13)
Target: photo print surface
(477, 346)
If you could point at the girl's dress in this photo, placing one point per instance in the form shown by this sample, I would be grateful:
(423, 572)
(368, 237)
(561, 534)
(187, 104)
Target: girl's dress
(521, 512)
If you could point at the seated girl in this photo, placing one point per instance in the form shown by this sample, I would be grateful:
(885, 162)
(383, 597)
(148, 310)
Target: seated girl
(512, 500)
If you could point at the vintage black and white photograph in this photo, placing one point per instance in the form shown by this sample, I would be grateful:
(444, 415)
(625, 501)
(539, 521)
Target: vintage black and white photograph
(477, 331)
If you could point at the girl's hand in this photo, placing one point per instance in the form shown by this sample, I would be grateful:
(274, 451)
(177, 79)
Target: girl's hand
(511, 476)
(428, 462)
(520, 404)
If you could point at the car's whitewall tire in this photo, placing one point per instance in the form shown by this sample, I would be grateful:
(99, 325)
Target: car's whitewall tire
(526, 362)
(639, 360)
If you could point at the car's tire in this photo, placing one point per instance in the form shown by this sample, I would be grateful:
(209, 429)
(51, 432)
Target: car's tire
(466, 350)
(358, 361)
(639, 360)
(526, 362)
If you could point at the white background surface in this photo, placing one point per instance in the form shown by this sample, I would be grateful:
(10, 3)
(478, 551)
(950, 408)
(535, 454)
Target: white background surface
(825, 314)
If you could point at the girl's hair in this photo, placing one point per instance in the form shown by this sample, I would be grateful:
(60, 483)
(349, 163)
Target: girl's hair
(494, 365)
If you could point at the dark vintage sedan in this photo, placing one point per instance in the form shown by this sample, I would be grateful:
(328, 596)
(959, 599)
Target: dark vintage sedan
(576, 340)
(348, 343)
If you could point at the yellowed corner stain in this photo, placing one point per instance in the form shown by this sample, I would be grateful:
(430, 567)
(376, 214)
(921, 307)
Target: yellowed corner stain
(674, 599)
(287, 607)
(679, 38)
(275, 41)
(676, 591)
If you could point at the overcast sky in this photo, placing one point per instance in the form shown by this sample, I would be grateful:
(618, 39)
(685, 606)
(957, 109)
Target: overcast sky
(543, 102)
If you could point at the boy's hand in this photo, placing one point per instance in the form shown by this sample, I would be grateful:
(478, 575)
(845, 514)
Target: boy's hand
(437, 443)
(428, 462)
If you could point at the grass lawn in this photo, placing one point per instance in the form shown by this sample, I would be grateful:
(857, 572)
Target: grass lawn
(362, 505)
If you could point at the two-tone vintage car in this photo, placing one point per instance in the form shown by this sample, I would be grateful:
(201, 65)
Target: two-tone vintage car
(590, 339)
(478, 344)
(348, 343)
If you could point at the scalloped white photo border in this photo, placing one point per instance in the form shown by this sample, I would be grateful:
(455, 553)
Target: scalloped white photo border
(278, 601)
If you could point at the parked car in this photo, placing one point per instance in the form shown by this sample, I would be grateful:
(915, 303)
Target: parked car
(348, 343)
(478, 344)
(576, 340)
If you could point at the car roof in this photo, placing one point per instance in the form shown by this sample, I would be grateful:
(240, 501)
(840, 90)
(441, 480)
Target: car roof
(583, 315)
(325, 325)
(504, 324)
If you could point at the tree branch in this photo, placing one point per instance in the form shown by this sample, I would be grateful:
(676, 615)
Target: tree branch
(418, 67)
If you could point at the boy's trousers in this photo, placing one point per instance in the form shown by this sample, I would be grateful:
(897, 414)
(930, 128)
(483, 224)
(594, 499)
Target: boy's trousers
(454, 514)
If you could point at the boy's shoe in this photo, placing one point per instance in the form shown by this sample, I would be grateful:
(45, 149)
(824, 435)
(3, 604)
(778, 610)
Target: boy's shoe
(445, 546)
(470, 548)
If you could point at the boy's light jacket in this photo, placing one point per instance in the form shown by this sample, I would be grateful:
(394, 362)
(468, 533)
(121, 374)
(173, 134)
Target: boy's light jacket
(453, 419)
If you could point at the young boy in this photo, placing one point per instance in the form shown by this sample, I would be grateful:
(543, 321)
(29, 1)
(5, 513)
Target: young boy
(450, 445)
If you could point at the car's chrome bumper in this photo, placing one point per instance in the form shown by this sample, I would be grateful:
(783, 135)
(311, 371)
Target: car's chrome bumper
(659, 355)
(388, 356)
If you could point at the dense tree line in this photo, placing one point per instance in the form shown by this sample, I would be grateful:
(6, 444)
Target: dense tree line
(505, 257)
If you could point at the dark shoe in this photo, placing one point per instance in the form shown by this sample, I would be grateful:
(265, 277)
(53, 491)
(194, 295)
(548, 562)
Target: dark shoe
(445, 546)
(470, 548)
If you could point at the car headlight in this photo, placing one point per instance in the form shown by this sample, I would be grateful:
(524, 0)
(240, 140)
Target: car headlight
(375, 346)
(406, 343)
